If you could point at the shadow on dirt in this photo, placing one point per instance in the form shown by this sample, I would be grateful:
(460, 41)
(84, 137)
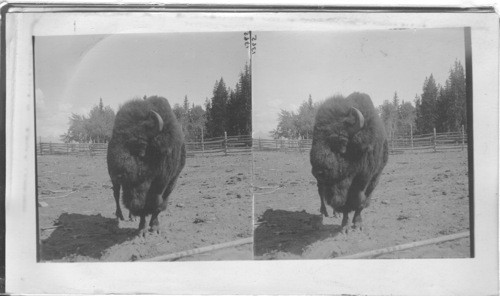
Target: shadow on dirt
(291, 232)
(83, 235)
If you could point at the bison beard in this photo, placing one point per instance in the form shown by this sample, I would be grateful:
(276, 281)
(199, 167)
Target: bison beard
(349, 152)
(146, 154)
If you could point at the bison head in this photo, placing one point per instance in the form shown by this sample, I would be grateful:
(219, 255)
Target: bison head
(336, 123)
(331, 171)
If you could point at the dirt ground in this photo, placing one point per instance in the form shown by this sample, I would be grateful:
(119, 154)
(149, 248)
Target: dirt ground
(420, 196)
(211, 204)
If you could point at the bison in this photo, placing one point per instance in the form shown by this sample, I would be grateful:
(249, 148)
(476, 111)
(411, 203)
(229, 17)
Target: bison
(146, 154)
(349, 152)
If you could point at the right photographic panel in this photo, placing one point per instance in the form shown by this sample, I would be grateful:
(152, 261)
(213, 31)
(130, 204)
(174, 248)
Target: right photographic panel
(362, 144)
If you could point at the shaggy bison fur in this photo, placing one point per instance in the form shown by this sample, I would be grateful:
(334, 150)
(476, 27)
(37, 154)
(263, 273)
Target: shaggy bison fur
(349, 152)
(146, 154)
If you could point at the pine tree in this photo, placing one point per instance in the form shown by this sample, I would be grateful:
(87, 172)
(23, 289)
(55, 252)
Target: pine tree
(427, 120)
(191, 118)
(418, 113)
(233, 113)
(451, 111)
(457, 94)
(209, 123)
(443, 111)
(218, 110)
(185, 105)
(239, 107)
(245, 86)
(398, 117)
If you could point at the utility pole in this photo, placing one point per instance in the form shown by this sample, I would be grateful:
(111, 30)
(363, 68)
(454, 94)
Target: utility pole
(251, 44)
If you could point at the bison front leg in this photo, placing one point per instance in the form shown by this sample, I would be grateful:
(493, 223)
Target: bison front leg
(142, 226)
(323, 208)
(357, 200)
(154, 224)
(356, 220)
(345, 222)
(323, 192)
(116, 194)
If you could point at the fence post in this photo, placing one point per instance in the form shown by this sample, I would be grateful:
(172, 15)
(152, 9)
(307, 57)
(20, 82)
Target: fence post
(225, 143)
(392, 141)
(463, 137)
(202, 144)
(411, 136)
(434, 139)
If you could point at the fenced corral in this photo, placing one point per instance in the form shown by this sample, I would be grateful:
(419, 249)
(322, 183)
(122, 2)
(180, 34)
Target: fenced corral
(88, 149)
(429, 142)
(282, 145)
(220, 146)
(432, 142)
(212, 146)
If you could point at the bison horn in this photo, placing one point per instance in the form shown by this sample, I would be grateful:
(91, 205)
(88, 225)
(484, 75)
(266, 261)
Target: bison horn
(360, 119)
(158, 120)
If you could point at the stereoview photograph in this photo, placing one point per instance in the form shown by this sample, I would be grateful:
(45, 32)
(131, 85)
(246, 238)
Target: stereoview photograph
(143, 147)
(361, 145)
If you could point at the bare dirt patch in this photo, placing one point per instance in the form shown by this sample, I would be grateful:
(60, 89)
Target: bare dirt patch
(211, 204)
(420, 196)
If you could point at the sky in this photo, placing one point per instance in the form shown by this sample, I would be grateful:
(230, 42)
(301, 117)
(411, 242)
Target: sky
(290, 66)
(73, 72)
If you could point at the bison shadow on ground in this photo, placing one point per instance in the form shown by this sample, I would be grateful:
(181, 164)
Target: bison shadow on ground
(78, 235)
(290, 232)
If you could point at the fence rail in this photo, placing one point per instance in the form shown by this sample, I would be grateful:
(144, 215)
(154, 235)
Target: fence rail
(244, 144)
(214, 146)
(416, 143)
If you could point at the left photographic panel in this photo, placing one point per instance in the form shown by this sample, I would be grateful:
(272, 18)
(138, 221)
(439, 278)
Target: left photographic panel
(143, 147)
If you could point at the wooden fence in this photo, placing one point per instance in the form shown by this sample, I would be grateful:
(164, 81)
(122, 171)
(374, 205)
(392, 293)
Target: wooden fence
(412, 143)
(214, 146)
(281, 145)
(90, 149)
(220, 146)
(244, 144)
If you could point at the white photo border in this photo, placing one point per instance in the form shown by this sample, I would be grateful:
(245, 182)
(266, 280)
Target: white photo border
(474, 276)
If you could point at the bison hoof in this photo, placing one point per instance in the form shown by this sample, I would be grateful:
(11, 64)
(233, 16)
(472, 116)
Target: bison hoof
(357, 226)
(324, 212)
(344, 230)
(142, 232)
(119, 216)
(155, 229)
